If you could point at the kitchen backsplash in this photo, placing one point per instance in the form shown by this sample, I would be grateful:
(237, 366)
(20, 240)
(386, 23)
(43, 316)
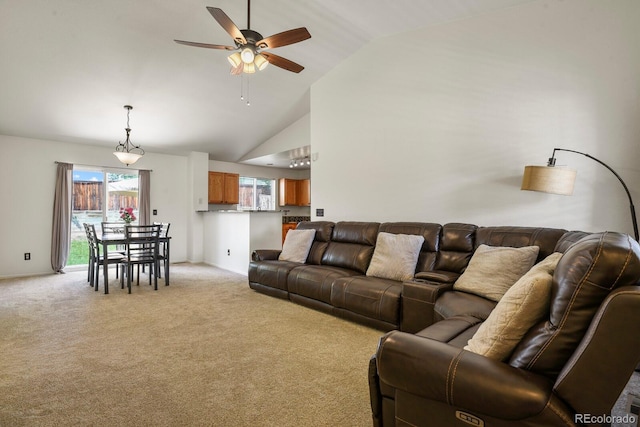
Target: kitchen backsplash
(286, 219)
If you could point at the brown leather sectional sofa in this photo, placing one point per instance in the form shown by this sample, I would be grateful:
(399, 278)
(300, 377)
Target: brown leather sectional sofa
(567, 369)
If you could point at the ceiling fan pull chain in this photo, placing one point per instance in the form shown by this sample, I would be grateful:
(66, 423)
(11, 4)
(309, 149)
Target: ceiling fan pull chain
(244, 89)
(247, 91)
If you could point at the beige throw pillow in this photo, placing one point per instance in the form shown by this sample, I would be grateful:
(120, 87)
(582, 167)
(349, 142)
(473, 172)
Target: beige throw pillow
(494, 269)
(521, 307)
(297, 244)
(395, 256)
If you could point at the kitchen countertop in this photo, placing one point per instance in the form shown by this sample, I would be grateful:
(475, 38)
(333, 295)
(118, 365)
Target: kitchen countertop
(238, 211)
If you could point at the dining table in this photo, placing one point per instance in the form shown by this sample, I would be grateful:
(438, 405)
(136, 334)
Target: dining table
(119, 239)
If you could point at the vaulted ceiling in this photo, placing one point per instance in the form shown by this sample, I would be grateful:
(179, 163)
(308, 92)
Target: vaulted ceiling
(67, 67)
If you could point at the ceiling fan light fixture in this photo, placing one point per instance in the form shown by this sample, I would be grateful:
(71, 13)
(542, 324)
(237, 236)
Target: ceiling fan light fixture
(235, 59)
(249, 68)
(260, 62)
(247, 55)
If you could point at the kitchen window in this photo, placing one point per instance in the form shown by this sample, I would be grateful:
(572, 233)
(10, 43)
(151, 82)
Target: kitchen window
(257, 194)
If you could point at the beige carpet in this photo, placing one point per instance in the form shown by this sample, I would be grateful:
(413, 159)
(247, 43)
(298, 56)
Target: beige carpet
(205, 351)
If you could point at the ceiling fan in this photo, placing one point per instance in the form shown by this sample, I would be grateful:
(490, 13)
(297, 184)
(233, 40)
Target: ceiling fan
(250, 46)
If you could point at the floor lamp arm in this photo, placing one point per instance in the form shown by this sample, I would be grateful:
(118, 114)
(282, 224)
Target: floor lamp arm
(552, 162)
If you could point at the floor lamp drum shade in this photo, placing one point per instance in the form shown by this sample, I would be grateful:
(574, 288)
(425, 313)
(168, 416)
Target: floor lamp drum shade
(557, 180)
(549, 179)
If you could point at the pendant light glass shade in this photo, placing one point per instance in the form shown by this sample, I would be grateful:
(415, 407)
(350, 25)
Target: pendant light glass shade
(127, 158)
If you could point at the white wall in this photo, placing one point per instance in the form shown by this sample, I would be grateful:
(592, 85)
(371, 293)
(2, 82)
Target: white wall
(27, 181)
(292, 137)
(230, 238)
(438, 124)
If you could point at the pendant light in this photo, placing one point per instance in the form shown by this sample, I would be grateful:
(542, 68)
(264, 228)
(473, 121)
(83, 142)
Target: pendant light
(127, 152)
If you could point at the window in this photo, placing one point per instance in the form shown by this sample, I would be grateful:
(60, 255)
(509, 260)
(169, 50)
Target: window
(88, 204)
(257, 194)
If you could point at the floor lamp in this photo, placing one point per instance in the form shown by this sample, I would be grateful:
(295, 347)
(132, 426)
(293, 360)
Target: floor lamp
(558, 180)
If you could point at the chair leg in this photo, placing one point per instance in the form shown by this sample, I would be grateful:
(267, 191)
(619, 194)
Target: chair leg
(96, 274)
(129, 274)
(155, 275)
(90, 272)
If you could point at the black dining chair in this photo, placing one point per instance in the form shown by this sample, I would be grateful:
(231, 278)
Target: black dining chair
(96, 258)
(141, 249)
(162, 248)
(112, 227)
(109, 227)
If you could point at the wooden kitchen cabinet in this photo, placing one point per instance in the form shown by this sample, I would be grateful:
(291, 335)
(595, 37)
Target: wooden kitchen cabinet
(294, 192)
(288, 189)
(303, 196)
(286, 227)
(224, 188)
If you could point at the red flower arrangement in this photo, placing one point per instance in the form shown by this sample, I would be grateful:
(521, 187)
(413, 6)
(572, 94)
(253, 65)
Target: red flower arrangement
(127, 215)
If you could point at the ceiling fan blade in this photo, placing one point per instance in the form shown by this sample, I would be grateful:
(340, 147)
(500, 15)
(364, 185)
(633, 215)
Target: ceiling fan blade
(285, 38)
(281, 62)
(205, 45)
(236, 71)
(226, 23)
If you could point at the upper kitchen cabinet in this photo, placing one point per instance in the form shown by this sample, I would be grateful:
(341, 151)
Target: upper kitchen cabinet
(224, 188)
(294, 192)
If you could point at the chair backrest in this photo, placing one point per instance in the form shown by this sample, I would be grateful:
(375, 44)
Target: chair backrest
(92, 239)
(112, 227)
(142, 242)
(164, 228)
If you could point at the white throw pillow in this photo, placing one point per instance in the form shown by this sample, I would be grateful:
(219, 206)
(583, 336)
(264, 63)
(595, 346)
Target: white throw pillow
(521, 307)
(297, 244)
(395, 256)
(494, 269)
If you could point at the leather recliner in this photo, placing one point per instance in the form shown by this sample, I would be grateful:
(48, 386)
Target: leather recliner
(570, 367)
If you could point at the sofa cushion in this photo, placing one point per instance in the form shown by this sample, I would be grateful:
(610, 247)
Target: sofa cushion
(296, 245)
(372, 297)
(351, 245)
(271, 273)
(395, 256)
(456, 330)
(494, 269)
(454, 303)
(521, 307)
(314, 281)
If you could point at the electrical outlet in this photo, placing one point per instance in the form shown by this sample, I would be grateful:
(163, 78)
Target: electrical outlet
(229, 252)
(155, 211)
(27, 256)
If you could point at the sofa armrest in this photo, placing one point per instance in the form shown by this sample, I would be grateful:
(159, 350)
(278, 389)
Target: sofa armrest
(441, 372)
(265, 254)
(418, 301)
